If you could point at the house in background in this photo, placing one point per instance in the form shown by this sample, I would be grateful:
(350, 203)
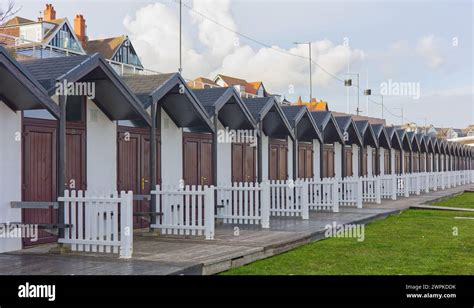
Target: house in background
(313, 105)
(119, 51)
(48, 36)
(252, 88)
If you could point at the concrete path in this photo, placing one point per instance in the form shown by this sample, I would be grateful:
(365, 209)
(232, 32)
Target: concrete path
(160, 255)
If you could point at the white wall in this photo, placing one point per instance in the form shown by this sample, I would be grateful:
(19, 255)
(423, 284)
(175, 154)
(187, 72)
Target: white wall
(101, 150)
(171, 151)
(265, 157)
(382, 160)
(369, 161)
(355, 160)
(392, 161)
(337, 160)
(402, 154)
(224, 159)
(316, 159)
(10, 172)
(290, 158)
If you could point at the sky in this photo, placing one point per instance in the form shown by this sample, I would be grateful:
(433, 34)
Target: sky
(418, 54)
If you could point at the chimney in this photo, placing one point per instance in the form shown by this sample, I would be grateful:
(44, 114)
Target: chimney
(49, 13)
(80, 29)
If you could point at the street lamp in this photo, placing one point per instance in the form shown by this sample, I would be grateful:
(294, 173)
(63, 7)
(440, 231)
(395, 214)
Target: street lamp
(310, 70)
(348, 83)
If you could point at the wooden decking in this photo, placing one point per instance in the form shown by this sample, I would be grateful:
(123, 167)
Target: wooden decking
(159, 255)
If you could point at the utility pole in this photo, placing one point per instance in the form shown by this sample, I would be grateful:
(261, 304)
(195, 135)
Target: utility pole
(180, 37)
(310, 70)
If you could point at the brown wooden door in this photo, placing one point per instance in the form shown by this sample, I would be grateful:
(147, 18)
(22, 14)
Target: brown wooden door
(305, 160)
(133, 156)
(348, 161)
(278, 162)
(386, 161)
(39, 176)
(407, 162)
(197, 159)
(398, 167)
(243, 162)
(374, 162)
(76, 159)
(328, 161)
(364, 161)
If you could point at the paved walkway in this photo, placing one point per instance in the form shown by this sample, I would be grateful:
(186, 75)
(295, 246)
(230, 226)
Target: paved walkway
(158, 255)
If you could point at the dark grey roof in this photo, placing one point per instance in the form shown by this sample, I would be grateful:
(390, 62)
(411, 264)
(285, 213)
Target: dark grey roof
(346, 124)
(144, 85)
(209, 97)
(395, 140)
(174, 96)
(257, 105)
(292, 113)
(421, 141)
(402, 134)
(227, 104)
(19, 89)
(367, 134)
(112, 95)
(381, 135)
(321, 118)
(261, 107)
(414, 141)
(48, 70)
(328, 126)
(299, 117)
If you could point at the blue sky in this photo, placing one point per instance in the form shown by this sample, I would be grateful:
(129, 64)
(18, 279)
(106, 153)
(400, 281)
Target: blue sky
(401, 41)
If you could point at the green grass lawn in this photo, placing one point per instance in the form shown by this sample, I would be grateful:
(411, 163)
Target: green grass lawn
(465, 200)
(415, 242)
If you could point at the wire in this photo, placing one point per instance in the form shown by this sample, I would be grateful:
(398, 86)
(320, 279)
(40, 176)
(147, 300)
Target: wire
(202, 15)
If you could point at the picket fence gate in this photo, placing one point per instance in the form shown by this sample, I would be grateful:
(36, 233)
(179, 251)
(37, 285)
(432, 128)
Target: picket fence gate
(188, 211)
(244, 203)
(323, 195)
(289, 198)
(371, 189)
(350, 192)
(99, 222)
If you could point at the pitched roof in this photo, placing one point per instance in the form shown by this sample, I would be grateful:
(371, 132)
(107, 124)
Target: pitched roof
(106, 47)
(144, 85)
(314, 104)
(201, 83)
(17, 20)
(48, 70)
(209, 97)
(371, 120)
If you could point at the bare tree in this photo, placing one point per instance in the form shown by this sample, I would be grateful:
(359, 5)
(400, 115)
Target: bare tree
(7, 11)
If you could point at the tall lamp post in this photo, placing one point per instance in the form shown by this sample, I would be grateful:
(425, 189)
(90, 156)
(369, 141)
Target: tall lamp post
(310, 70)
(348, 83)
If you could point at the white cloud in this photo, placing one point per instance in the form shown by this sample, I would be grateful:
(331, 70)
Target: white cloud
(427, 47)
(209, 49)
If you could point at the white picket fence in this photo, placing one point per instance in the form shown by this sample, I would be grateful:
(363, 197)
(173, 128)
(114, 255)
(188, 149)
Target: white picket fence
(188, 211)
(371, 189)
(413, 183)
(289, 198)
(99, 222)
(388, 187)
(350, 192)
(244, 203)
(323, 194)
(402, 185)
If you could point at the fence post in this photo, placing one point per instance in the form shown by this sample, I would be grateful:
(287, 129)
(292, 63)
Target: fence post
(394, 186)
(359, 193)
(265, 204)
(304, 200)
(378, 183)
(209, 212)
(427, 183)
(442, 180)
(126, 225)
(407, 188)
(417, 177)
(335, 196)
